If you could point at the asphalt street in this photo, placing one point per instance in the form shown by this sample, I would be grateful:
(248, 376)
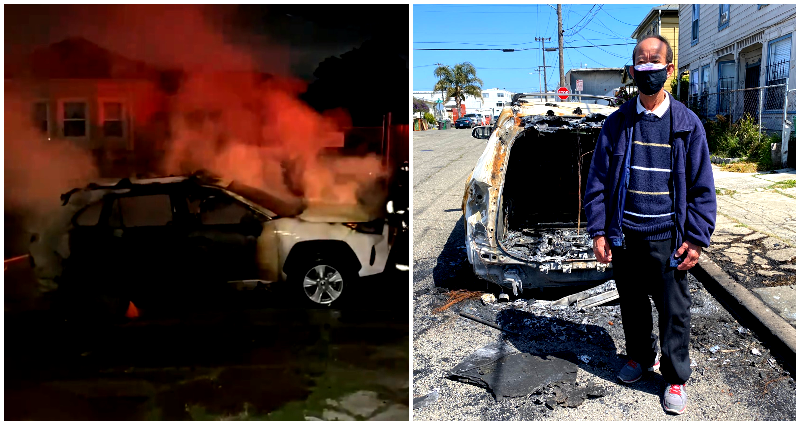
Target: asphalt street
(251, 357)
(734, 375)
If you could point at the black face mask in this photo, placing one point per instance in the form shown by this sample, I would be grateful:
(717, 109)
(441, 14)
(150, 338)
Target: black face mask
(650, 82)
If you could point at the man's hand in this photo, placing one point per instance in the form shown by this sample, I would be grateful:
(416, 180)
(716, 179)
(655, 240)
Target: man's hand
(602, 250)
(693, 255)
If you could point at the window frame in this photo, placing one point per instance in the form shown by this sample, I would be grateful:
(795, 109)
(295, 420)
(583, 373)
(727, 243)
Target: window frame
(123, 116)
(117, 201)
(49, 121)
(705, 74)
(61, 120)
(102, 219)
(769, 61)
(719, 81)
(695, 7)
(720, 25)
(694, 86)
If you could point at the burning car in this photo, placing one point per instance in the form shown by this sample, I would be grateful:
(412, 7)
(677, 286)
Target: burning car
(525, 225)
(128, 240)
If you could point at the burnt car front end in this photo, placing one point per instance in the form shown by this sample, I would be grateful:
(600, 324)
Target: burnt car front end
(525, 225)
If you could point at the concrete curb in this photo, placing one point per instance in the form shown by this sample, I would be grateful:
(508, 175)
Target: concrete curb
(752, 310)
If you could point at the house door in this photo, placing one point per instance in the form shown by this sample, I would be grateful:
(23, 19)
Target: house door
(752, 75)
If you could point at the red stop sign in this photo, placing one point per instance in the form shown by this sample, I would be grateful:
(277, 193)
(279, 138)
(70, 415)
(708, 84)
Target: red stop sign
(563, 93)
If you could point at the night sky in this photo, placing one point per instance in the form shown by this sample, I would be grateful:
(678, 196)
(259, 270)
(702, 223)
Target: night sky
(280, 39)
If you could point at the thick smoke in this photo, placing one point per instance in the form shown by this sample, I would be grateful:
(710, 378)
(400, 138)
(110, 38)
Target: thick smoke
(223, 118)
(38, 169)
(261, 134)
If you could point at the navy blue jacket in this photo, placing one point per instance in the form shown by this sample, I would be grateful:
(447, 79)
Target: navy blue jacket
(694, 200)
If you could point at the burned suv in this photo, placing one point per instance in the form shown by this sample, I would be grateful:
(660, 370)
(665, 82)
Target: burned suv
(525, 225)
(164, 240)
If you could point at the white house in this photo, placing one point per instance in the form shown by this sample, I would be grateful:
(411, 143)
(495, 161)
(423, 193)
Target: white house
(492, 101)
(738, 46)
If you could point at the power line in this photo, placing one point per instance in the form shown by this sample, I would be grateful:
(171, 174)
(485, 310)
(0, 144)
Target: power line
(613, 37)
(587, 57)
(423, 66)
(600, 7)
(473, 43)
(581, 20)
(612, 17)
(612, 31)
(612, 54)
(538, 48)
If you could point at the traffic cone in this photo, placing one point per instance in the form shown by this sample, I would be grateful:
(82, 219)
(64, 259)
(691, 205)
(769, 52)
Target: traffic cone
(132, 312)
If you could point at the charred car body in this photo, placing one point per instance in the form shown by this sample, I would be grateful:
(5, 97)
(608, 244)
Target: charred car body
(525, 225)
(139, 240)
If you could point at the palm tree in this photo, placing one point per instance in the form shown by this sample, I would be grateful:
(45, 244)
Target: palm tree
(458, 82)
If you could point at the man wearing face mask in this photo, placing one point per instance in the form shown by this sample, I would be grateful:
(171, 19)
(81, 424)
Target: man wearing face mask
(650, 200)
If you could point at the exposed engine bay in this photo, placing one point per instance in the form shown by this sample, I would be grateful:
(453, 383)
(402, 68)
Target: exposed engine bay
(548, 244)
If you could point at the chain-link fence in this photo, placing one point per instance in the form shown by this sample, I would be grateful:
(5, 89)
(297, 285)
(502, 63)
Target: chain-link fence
(769, 105)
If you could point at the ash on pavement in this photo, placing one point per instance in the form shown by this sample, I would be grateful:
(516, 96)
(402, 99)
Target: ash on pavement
(734, 375)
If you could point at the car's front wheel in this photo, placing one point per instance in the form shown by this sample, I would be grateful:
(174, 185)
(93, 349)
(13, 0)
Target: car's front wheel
(323, 282)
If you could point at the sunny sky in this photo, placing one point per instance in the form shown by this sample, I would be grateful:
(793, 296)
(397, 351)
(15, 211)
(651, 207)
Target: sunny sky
(599, 34)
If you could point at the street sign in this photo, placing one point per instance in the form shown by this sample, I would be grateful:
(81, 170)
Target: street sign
(579, 85)
(563, 93)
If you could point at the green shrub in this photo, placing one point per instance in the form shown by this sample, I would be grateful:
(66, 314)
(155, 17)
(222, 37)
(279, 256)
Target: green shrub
(430, 118)
(734, 140)
(764, 157)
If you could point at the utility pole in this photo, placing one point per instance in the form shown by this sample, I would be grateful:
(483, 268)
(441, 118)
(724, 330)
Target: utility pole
(561, 48)
(544, 64)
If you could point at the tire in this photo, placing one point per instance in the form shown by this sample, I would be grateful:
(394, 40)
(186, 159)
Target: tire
(321, 282)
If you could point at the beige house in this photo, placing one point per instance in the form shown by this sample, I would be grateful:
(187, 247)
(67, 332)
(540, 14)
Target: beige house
(662, 20)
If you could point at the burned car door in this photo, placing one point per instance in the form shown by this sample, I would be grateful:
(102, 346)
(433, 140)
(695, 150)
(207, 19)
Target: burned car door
(144, 243)
(89, 240)
(222, 235)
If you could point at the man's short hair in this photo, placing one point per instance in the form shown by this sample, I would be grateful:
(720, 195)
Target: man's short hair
(662, 39)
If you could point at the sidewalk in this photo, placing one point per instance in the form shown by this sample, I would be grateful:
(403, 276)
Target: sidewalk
(754, 243)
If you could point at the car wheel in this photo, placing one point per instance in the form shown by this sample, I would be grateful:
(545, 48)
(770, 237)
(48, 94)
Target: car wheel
(322, 282)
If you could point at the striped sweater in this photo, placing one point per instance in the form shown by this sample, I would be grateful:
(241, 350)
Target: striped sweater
(648, 212)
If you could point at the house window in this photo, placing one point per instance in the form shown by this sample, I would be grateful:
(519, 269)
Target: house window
(500, 95)
(725, 83)
(112, 119)
(779, 55)
(695, 23)
(705, 75)
(75, 119)
(486, 95)
(724, 16)
(693, 88)
(41, 115)
(500, 104)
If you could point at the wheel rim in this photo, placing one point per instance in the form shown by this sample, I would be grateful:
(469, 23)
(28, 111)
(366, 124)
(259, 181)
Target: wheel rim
(323, 284)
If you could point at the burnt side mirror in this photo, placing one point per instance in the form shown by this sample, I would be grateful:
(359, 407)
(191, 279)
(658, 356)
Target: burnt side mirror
(482, 132)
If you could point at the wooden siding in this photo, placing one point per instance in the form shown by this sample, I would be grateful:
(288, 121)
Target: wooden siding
(744, 21)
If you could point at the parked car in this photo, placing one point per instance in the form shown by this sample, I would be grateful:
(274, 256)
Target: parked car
(466, 122)
(478, 118)
(525, 226)
(160, 240)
